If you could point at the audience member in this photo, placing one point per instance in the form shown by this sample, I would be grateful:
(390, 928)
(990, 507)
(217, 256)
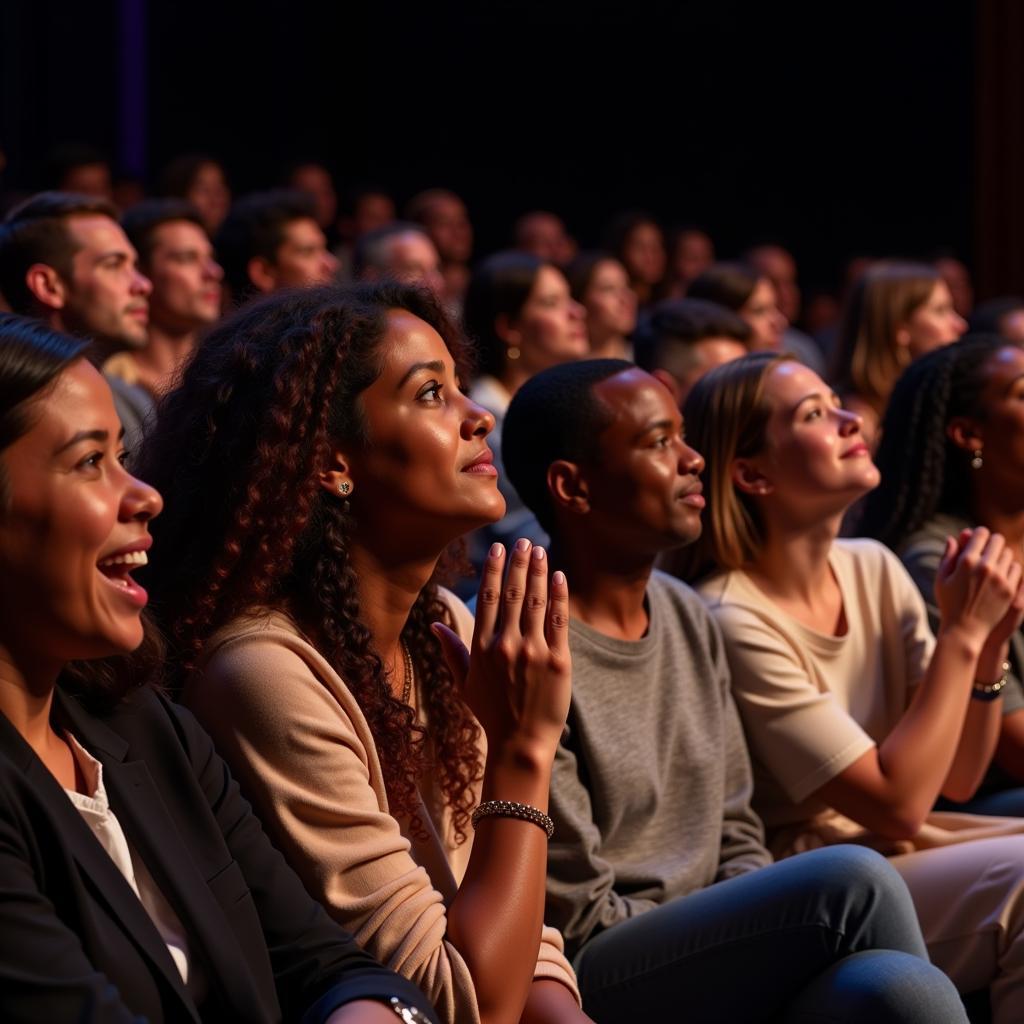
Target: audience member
(176, 255)
(401, 251)
(314, 180)
(271, 240)
(203, 182)
(690, 253)
(950, 461)
(636, 240)
(442, 214)
(522, 319)
(65, 259)
(895, 313)
(857, 716)
(543, 234)
(958, 280)
(83, 170)
(1003, 316)
(137, 883)
(657, 870)
(347, 458)
(684, 338)
(752, 295)
(600, 284)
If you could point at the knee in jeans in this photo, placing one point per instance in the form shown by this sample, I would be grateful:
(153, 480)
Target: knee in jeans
(861, 872)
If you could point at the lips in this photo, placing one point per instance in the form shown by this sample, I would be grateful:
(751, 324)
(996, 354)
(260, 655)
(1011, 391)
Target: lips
(482, 465)
(116, 567)
(692, 496)
(860, 448)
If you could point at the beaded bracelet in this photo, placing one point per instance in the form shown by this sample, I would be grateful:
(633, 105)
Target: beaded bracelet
(989, 691)
(511, 809)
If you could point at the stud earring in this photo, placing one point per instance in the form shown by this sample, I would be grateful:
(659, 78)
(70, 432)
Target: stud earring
(345, 488)
(977, 462)
(513, 352)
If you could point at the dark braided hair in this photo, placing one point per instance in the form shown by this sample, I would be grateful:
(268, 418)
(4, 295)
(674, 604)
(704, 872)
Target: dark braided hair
(923, 472)
(237, 452)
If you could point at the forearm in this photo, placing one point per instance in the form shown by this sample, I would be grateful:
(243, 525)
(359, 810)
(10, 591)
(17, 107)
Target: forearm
(977, 745)
(496, 917)
(550, 1002)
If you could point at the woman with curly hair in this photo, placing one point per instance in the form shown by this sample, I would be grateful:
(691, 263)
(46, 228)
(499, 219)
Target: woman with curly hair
(896, 313)
(857, 717)
(951, 459)
(317, 459)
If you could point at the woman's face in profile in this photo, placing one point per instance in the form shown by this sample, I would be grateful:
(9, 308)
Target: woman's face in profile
(609, 301)
(761, 312)
(74, 526)
(551, 327)
(933, 324)
(425, 474)
(1001, 434)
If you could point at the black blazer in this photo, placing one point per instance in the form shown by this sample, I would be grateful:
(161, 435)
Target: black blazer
(77, 945)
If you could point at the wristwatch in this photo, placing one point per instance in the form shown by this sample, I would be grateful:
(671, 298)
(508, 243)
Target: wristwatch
(406, 1013)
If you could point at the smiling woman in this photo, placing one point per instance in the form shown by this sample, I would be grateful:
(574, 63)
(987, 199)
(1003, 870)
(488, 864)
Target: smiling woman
(329, 664)
(137, 883)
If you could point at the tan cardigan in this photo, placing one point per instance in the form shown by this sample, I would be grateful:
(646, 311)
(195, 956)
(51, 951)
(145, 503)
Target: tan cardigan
(303, 753)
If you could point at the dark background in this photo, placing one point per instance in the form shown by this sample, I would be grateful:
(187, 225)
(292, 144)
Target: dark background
(836, 129)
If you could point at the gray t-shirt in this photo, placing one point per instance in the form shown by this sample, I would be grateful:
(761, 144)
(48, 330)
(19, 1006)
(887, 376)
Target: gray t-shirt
(651, 787)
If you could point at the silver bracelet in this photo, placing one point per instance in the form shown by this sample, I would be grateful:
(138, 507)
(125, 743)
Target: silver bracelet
(989, 691)
(512, 809)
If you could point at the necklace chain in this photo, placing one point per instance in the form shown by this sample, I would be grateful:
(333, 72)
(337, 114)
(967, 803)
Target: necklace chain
(408, 673)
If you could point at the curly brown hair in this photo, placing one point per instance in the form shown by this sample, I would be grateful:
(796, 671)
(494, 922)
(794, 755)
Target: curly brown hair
(237, 453)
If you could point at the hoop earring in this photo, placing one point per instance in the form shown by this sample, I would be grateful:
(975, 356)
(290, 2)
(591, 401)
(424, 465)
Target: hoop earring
(977, 462)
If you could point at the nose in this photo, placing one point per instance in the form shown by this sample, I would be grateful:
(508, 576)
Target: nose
(850, 422)
(691, 462)
(140, 502)
(214, 271)
(141, 285)
(477, 421)
(329, 263)
(577, 311)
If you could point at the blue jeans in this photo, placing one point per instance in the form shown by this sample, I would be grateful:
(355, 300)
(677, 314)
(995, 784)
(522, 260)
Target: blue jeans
(828, 936)
(1003, 803)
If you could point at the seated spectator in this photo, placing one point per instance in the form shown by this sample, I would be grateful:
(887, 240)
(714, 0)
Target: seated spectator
(751, 294)
(401, 251)
(522, 319)
(600, 284)
(83, 170)
(271, 240)
(684, 338)
(657, 870)
(636, 240)
(65, 259)
(690, 253)
(895, 313)
(857, 717)
(332, 425)
(543, 234)
(137, 883)
(202, 181)
(442, 214)
(314, 180)
(176, 255)
(954, 272)
(950, 461)
(1003, 316)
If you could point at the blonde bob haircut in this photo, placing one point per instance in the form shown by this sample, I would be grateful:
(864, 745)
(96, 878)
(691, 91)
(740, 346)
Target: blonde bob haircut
(726, 416)
(869, 357)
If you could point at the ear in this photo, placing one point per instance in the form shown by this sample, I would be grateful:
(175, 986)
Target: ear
(46, 286)
(670, 382)
(568, 487)
(749, 479)
(505, 331)
(335, 479)
(903, 337)
(262, 274)
(965, 433)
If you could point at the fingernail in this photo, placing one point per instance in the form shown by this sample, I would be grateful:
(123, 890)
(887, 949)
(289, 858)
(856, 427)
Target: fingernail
(522, 544)
(496, 550)
(559, 577)
(538, 554)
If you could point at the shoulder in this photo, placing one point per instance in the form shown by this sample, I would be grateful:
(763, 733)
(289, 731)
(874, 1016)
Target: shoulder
(870, 560)
(929, 540)
(460, 617)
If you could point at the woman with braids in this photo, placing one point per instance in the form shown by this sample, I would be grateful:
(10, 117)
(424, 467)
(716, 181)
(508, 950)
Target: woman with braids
(317, 460)
(137, 883)
(858, 717)
(951, 459)
(896, 313)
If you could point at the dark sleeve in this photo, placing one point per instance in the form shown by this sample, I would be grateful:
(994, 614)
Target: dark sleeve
(45, 974)
(317, 965)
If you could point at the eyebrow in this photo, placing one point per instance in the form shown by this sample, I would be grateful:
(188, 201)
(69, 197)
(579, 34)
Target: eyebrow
(100, 436)
(815, 395)
(436, 365)
(654, 425)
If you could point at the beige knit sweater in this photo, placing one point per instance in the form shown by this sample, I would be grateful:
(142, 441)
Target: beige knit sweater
(303, 753)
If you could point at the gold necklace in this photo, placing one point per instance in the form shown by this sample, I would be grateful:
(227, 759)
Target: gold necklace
(408, 680)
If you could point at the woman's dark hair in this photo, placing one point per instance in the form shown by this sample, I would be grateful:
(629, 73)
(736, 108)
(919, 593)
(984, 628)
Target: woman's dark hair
(32, 358)
(923, 472)
(237, 452)
(500, 286)
(728, 284)
(178, 177)
(580, 272)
